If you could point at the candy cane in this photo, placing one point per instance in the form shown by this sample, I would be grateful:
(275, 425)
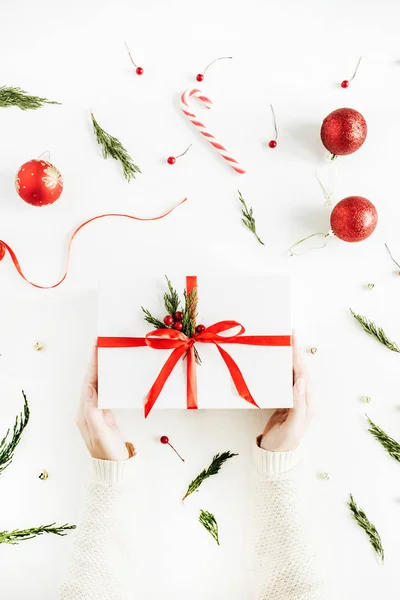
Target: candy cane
(202, 128)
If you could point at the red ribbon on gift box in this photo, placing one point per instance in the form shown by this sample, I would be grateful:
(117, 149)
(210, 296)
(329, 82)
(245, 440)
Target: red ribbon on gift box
(170, 339)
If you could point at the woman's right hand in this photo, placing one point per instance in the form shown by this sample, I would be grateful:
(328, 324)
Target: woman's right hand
(98, 427)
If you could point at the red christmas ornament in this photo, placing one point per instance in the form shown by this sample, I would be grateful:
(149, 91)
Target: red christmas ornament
(39, 183)
(353, 219)
(164, 439)
(200, 328)
(178, 326)
(168, 320)
(343, 131)
(178, 316)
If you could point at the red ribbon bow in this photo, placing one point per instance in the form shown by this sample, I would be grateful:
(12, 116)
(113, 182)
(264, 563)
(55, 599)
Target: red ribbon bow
(170, 339)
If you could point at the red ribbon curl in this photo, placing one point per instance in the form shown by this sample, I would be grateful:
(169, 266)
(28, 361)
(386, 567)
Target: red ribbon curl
(180, 344)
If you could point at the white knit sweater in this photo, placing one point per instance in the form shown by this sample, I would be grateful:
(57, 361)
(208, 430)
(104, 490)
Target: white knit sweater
(285, 551)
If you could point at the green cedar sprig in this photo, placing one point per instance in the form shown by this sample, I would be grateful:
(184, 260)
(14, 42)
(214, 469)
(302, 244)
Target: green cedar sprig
(376, 332)
(11, 439)
(171, 299)
(112, 147)
(18, 535)
(208, 521)
(14, 96)
(361, 518)
(190, 312)
(152, 320)
(389, 444)
(248, 218)
(216, 464)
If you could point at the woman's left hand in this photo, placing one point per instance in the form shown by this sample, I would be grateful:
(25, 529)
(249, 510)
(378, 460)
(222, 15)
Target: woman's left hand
(98, 427)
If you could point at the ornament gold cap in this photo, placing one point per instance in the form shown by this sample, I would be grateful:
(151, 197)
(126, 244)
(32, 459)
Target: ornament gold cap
(44, 475)
(37, 346)
(313, 350)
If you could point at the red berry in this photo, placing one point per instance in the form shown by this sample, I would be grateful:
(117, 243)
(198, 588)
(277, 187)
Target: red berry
(273, 144)
(164, 439)
(178, 316)
(168, 320)
(200, 328)
(139, 70)
(200, 77)
(345, 83)
(171, 160)
(178, 326)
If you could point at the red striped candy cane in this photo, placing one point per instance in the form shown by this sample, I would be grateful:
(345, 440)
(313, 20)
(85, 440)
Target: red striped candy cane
(202, 128)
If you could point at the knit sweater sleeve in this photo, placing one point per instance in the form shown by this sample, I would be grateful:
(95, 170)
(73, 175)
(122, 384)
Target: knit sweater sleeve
(289, 565)
(100, 565)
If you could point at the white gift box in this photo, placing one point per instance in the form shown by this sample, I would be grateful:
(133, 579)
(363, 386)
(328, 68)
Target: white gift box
(260, 304)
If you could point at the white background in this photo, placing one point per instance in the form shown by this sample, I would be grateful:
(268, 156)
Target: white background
(292, 54)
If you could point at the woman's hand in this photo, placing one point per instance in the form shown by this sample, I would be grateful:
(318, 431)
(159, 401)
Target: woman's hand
(98, 427)
(286, 428)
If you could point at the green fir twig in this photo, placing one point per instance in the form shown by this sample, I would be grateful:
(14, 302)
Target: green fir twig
(18, 535)
(361, 518)
(216, 464)
(389, 444)
(152, 320)
(376, 332)
(14, 96)
(208, 521)
(11, 439)
(248, 218)
(112, 147)
(171, 299)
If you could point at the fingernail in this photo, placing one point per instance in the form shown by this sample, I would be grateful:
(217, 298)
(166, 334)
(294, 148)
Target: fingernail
(300, 386)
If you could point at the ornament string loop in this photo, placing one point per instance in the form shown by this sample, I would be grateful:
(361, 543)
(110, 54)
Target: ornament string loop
(327, 175)
(319, 241)
(4, 247)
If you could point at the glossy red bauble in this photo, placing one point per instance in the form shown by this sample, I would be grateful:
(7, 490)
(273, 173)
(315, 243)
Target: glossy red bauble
(39, 183)
(200, 77)
(178, 326)
(343, 131)
(139, 70)
(168, 320)
(200, 328)
(345, 83)
(178, 316)
(171, 160)
(273, 144)
(164, 439)
(354, 219)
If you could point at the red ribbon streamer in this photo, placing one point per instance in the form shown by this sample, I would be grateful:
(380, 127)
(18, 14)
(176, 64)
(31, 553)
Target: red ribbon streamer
(170, 339)
(4, 246)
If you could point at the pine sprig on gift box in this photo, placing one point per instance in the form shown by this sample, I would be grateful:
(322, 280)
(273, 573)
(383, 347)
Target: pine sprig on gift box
(18, 535)
(389, 444)
(14, 96)
(216, 464)
(208, 521)
(152, 320)
(361, 518)
(112, 147)
(11, 440)
(171, 299)
(376, 332)
(248, 218)
(190, 313)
